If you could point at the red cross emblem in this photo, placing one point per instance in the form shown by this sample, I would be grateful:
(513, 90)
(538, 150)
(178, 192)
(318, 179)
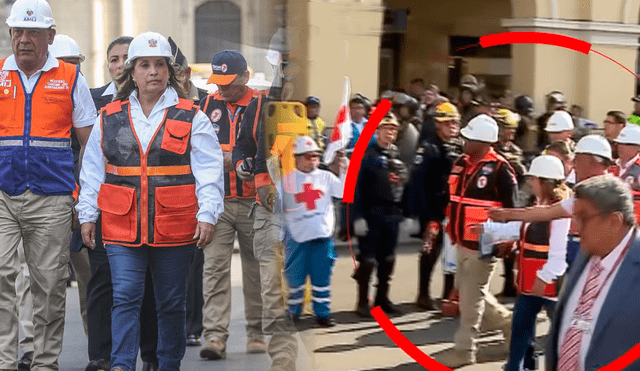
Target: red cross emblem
(308, 196)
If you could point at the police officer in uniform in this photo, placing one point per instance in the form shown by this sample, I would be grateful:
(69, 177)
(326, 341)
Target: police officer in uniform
(377, 214)
(479, 180)
(427, 193)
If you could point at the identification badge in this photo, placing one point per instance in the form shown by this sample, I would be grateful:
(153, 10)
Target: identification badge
(581, 324)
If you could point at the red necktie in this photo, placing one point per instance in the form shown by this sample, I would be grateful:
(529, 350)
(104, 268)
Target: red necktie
(570, 350)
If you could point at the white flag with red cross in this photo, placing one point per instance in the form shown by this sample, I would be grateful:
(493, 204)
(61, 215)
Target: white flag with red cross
(341, 134)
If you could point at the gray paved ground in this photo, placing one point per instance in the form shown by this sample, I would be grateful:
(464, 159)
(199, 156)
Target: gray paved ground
(352, 345)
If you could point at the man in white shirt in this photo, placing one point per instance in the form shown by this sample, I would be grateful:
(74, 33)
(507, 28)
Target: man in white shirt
(307, 197)
(43, 100)
(596, 317)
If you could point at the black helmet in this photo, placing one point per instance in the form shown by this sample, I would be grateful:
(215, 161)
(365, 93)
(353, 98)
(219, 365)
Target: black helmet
(524, 104)
(361, 99)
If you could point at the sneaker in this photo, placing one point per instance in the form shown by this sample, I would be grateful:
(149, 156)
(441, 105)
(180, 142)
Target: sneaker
(256, 344)
(24, 364)
(193, 341)
(98, 365)
(454, 358)
(326, 322)
(213, 350)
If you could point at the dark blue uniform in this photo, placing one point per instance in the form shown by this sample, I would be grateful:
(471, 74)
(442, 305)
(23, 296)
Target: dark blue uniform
(377, 199)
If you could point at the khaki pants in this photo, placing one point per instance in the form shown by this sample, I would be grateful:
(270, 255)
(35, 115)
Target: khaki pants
(82, 269)
(216, 279)
(269, 250)
(25, 303)
(477, 304)
(43, 223)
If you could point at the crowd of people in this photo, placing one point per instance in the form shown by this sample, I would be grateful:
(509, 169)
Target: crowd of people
(145, 183)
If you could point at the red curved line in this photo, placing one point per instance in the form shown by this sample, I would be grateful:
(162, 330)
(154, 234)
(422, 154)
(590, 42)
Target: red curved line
(616, 62)
(361, 145)
(407, 346)
(535, 38)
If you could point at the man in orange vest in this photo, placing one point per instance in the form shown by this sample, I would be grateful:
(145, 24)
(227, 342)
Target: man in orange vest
(226, 108)
(480, 179)
(42, 99)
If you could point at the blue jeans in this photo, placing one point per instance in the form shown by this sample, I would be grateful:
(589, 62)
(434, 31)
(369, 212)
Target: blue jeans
(169, 268)
(313, 258)
(523, 328)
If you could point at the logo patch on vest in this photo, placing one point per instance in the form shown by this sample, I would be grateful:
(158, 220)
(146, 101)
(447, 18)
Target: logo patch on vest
(487, 169)
(216, 128)
(3, 80)
(482, 182)
(216, 115)
(57, 85)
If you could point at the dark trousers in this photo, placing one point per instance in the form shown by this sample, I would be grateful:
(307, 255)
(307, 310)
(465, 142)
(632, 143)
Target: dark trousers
(378, 246)
(100, 302)
(523, 330)
(195, 300)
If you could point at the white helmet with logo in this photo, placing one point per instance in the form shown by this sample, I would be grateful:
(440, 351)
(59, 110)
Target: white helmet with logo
(149, 44)
(559, 121)
(31, 14)
(546, 166)
(305, 144)
(481, 128)
(65, 47)
(630, 134)
(594, 145)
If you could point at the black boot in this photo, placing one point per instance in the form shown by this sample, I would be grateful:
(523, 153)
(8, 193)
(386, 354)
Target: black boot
(362, 275)
(424, 280)
(385, 269)
(427, 261)
(449, 280)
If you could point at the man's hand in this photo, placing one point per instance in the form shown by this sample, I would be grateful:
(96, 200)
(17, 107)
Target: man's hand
(204, 234)
(88, 232)
(244, 170)
(538, 287)
(228, 162)
(339, 164)
(360, 227)
(504, 249)
(267, 196)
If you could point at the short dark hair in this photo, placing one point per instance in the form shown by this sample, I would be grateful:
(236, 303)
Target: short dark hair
(619, 116)
(608, 194)
(122, 40)
(418, 80)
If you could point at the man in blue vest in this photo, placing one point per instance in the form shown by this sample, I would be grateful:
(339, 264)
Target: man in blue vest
(43, 99)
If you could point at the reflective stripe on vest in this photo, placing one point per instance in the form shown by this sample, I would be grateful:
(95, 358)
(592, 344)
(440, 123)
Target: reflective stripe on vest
(148, 198)
(228, 117)
(35, 132)
(534, 253)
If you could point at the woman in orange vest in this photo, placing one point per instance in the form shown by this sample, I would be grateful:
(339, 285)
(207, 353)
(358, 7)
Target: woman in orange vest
(542, 258)
(153, 170)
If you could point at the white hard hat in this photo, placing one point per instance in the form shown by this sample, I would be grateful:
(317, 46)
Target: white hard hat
(630, 134)
(149, 44)
(559, 121)
(31, 14)
(481, 128)
(305, 144)
(65, 47)
(547, 166)
(594, 145)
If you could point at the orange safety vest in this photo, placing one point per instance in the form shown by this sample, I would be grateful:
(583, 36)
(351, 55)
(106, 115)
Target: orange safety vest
(472, 193)
(35, 132)
(226, 119)
(148, 198)
(632, 177)
(534, 253)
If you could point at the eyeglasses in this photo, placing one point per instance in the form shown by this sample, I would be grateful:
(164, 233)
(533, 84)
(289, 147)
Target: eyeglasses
(613, 122)
(311, 156)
